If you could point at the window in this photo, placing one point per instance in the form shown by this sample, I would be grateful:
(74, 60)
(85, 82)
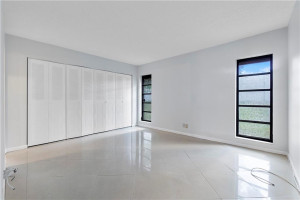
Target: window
(254, 98)
(146, 98)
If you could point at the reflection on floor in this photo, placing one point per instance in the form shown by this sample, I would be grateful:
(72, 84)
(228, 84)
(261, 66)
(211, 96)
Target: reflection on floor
(138, 163)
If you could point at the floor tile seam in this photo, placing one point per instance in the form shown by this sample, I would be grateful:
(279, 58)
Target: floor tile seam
(240, 177)
(219, 196)
(107, 175)
(70, 175)
(252, 185)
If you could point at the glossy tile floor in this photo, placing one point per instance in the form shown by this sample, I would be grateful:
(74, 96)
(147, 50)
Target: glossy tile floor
(137, 163)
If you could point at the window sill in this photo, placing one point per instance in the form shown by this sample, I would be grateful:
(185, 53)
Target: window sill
(254, 140)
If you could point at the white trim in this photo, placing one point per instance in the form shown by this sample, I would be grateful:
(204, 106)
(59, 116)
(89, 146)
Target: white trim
(216, 140)
(294, 171)
(15, 148)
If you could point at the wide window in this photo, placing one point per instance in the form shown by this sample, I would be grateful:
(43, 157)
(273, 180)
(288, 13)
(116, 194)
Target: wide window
(146, 98)
(254, 98)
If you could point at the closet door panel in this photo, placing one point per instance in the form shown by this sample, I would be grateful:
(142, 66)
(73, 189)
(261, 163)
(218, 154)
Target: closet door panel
(119, 101)
(74, 104)
(38, 129)
(87, 101)
(57, 103)
(99, 96)
(127, 102)
(110, 101)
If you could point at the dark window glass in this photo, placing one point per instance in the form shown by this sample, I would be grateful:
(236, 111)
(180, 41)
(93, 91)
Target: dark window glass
(146, 98)
(147, 89)
(254, 98)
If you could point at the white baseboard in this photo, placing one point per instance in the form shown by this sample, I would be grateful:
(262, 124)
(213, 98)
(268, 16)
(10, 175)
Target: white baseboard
(295, 172)
(15, 148)
(216, 140)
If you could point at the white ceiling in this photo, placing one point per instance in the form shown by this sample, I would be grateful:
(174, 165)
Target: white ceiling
(142, 32)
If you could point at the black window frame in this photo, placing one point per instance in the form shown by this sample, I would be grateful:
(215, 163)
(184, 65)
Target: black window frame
(253, 60)
(143, 93)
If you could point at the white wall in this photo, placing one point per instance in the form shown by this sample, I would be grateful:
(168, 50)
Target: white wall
(17, 51)
(294, 89)
(199, 88)
(2, 106)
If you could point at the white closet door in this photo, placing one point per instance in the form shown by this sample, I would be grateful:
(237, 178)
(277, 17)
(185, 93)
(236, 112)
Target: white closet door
(99, 96)
(87, 101)
(110, 101)
(119, 101)
(38, 131)
(74, 107)
(57, 104)
(127, 103)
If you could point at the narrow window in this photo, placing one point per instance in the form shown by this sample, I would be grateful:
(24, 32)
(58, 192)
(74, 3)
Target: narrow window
(146, 98)
(254, 98)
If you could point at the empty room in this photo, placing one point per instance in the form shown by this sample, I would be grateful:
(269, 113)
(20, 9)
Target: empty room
(150, 100)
